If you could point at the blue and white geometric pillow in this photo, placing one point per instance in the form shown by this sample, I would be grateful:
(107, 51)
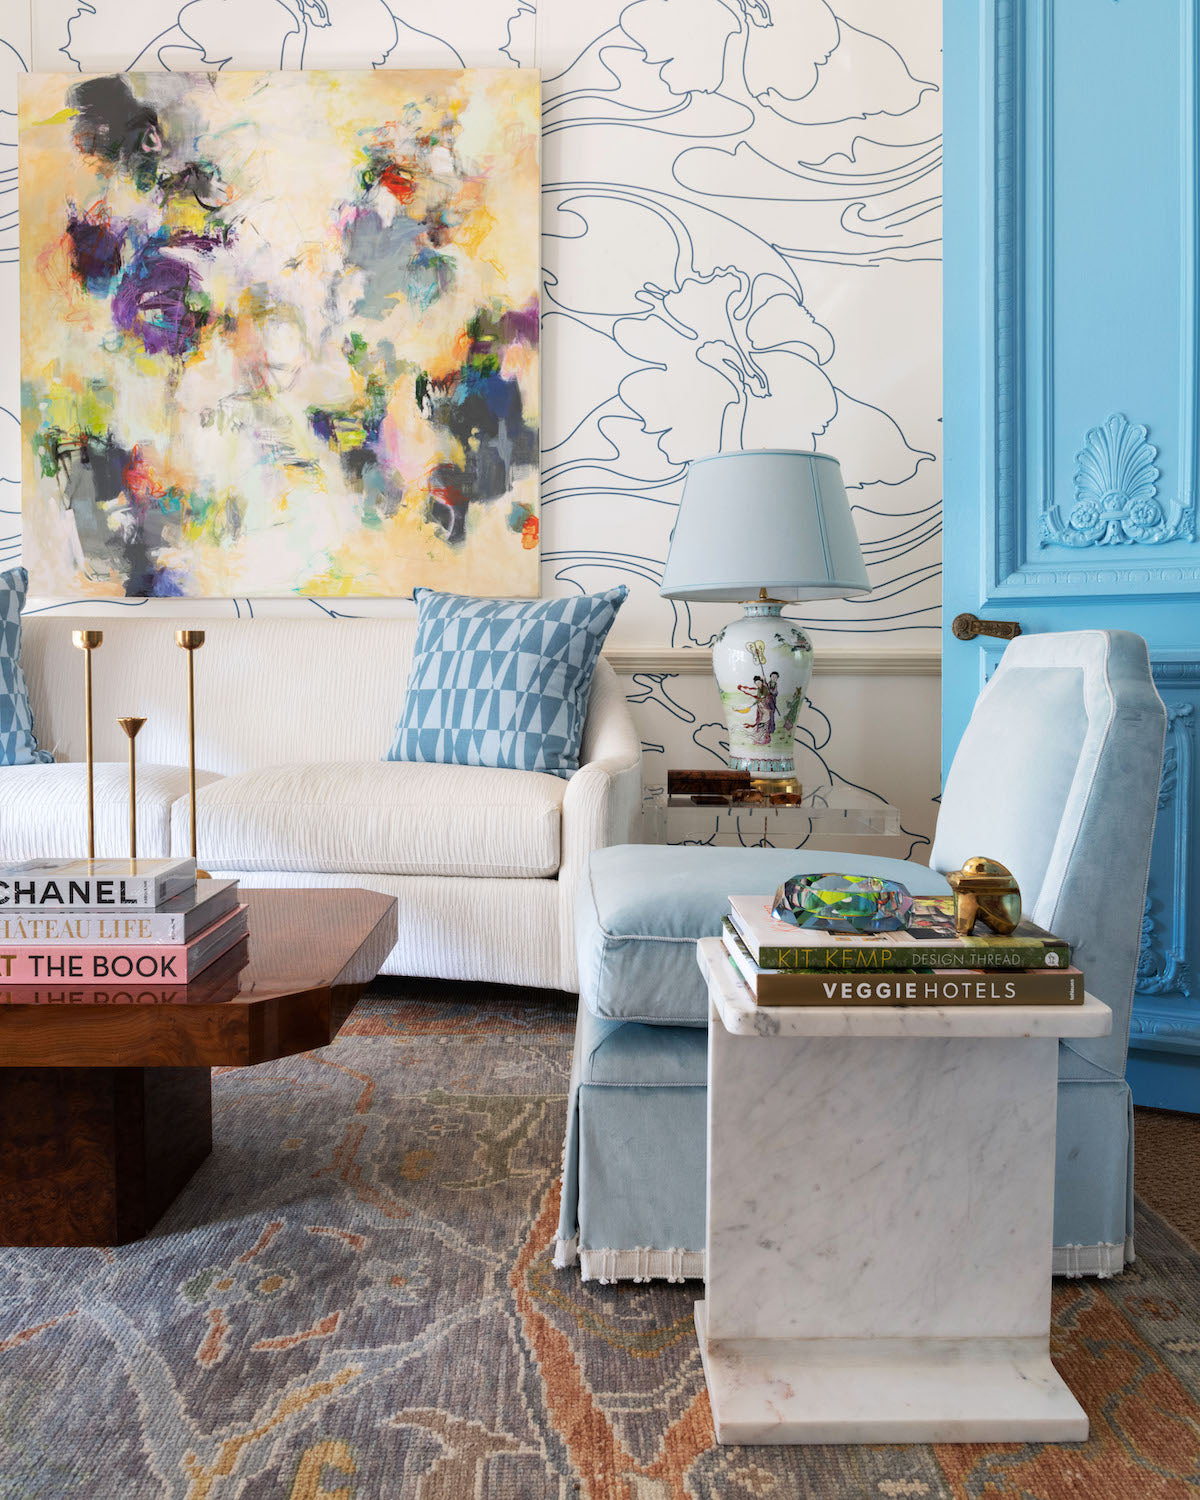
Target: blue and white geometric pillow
(502, 682)
(18, 747)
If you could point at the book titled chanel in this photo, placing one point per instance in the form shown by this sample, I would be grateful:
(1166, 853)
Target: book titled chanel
(94, 884)
(168, 963)
(177, 921)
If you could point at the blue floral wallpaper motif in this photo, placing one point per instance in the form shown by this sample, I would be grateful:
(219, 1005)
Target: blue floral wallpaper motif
(741, 241)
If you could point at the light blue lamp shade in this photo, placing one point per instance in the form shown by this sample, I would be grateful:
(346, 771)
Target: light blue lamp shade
(769, 518)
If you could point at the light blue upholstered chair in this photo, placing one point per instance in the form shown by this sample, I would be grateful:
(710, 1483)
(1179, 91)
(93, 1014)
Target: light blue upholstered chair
(1056, 776)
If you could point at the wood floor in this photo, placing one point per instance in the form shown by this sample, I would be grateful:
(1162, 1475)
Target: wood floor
(1166, 1150)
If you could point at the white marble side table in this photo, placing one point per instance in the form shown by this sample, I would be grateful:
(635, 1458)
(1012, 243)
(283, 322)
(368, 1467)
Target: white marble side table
(880, 1219)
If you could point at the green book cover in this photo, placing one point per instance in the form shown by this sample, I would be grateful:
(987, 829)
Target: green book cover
(929, 942)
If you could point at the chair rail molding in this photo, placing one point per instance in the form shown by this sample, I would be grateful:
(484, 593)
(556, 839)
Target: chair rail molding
(830, 661)
(1115, 501)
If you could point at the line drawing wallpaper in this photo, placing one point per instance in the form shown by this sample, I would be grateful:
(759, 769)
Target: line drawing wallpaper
(741, 248)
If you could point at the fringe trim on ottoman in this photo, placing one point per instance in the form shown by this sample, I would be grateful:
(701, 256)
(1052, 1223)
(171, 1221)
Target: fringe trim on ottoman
(644, 1264)
(641, 1264)
(1092, 1260)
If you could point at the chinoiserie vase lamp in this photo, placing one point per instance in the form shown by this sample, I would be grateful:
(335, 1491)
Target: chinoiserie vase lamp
(764, 528)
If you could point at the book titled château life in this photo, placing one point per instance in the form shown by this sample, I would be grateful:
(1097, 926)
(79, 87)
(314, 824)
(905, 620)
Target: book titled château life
(176, 921)
(104, 885)
(928, 942)
(167, 963)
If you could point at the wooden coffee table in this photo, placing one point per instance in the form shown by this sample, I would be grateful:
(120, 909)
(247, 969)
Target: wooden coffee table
(105, 1093)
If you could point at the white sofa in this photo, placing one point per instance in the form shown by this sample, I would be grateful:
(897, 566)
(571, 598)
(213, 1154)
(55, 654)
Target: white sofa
(293, 717)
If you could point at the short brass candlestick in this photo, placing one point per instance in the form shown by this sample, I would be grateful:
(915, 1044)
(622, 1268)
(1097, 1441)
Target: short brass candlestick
(191, 641)
(131, 727)
(87, 641)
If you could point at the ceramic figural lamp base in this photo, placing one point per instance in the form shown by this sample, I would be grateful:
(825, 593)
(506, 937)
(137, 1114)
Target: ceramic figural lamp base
(762, 664)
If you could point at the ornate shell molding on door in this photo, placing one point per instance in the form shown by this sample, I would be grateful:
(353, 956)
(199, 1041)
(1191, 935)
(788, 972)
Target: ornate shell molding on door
(1116, 495)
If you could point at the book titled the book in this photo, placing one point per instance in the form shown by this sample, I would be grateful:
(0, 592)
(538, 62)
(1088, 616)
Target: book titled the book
(176, 921)
(929, 942)
(218, 984)
(94, 884)
(167, 963)
(903, 987)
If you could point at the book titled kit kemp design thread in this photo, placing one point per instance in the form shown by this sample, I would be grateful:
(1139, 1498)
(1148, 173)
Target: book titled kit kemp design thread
(943, 986)
(929, 942)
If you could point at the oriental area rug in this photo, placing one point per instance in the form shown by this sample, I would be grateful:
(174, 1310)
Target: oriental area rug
(354, 1298)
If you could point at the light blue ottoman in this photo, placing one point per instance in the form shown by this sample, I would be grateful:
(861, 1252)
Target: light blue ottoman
(1057, 777)
(633, 1188)
(634, 1163)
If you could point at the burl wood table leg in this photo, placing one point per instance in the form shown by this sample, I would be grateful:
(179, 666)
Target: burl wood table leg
(93, 1156)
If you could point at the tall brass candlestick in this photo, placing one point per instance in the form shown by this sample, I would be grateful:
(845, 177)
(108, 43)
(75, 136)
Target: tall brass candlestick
(191, 641)
(87, 641)
(131, 727)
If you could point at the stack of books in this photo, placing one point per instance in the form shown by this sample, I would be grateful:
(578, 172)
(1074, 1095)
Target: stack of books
(100, 921)
(923, 964)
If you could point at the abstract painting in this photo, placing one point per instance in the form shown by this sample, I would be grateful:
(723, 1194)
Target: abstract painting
(280, 333)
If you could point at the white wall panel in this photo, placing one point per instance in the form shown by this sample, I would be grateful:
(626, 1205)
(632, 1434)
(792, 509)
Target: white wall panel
(742, 248)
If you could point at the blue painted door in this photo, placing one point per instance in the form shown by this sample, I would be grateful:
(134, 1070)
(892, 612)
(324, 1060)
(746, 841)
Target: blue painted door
(1072, 382)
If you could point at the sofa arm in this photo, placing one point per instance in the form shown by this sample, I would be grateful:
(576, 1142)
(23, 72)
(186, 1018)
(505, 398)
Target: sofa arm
(602, 802)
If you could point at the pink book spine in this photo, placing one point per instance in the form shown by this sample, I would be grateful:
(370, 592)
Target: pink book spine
(166, 963)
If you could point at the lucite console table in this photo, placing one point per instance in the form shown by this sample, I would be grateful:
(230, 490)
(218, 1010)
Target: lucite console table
(829, 814)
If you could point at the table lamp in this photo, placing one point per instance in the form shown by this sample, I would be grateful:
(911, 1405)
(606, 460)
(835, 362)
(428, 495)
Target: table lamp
(764, 528)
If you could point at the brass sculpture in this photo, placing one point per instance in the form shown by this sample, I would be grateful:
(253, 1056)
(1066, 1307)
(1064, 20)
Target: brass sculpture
(131, 727)
(191, 641)
(985, 889)
(87, 641)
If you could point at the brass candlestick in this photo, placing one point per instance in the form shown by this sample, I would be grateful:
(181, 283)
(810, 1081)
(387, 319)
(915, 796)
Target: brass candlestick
(87, 641)
(191, 641)
(131, 727)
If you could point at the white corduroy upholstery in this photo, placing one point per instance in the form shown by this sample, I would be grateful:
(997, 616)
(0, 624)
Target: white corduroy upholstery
(497, 931)
(268, 692)
(293, 717)
(389, 817)
(43, 809)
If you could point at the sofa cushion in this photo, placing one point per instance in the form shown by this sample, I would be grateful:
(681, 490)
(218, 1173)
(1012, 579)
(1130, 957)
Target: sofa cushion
(503, 682)
(43, 810)
(641, 909)
(379, 817)
(18, 747)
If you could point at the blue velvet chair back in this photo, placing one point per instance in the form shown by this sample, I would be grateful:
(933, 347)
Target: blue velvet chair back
(1057, 776)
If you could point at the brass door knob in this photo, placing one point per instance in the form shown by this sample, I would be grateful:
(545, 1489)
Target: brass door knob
(967, 627)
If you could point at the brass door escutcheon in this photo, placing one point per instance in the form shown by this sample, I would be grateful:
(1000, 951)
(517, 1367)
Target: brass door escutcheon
(967, 627)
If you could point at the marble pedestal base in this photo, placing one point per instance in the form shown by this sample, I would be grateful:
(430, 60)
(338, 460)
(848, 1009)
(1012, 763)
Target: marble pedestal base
(880, 1216)
(886, 1391)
